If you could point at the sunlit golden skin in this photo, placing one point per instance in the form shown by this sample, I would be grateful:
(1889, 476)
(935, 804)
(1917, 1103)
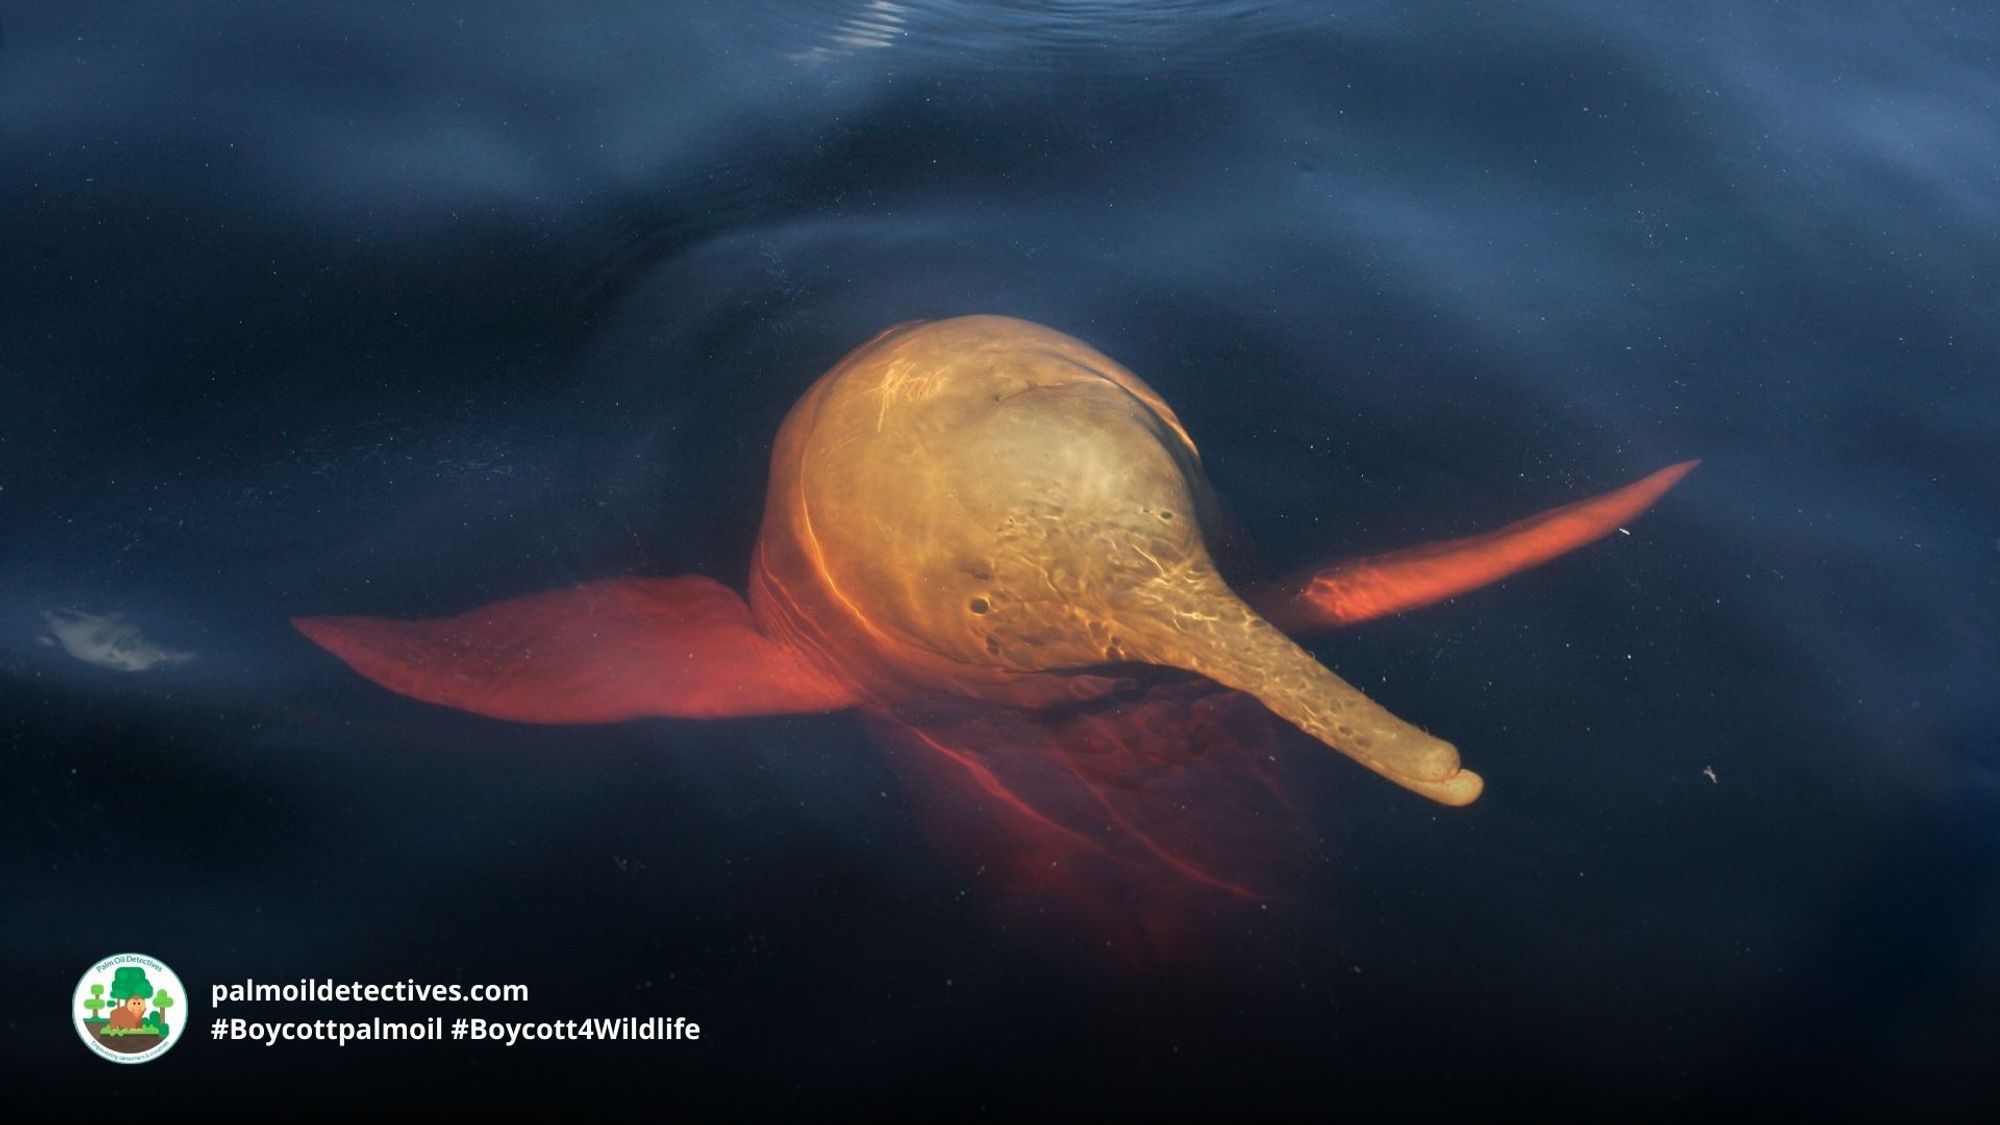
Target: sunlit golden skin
(988, 507)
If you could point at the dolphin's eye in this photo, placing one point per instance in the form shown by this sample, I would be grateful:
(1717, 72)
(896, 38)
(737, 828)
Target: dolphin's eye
(980, 605)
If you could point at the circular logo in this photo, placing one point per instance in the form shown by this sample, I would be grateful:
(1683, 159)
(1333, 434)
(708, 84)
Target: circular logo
(129, 1008)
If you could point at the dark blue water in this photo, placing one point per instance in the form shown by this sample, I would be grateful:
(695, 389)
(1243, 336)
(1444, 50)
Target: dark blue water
(398, 309)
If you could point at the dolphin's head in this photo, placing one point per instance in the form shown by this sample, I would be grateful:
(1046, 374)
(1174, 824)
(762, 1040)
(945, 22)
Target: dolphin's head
(992, 508)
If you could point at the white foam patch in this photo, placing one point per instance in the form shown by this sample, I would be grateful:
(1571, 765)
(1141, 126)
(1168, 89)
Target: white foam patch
(108, 641)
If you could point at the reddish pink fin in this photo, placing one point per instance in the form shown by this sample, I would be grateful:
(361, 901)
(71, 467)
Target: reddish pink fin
(1379, 585)
(597, 653)
(1142, 829)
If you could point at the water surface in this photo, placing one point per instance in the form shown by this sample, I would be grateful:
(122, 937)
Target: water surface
(399, 309)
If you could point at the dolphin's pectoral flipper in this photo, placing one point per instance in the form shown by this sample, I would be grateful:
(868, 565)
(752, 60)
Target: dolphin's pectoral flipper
(1362, 589)
(601, 652)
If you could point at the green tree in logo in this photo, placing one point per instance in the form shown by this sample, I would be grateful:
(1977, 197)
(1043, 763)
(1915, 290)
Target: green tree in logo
(158, 1017)
(130, 981)
(95, 1004)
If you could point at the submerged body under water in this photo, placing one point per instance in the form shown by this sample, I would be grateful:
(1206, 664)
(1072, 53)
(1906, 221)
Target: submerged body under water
(405, 312)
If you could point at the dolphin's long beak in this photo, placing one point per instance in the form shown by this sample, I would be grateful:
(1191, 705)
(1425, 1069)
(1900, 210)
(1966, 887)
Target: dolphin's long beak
(1194, 621)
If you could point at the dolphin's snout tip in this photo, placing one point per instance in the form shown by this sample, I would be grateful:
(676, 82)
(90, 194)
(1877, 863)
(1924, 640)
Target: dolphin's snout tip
(1457, 791)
